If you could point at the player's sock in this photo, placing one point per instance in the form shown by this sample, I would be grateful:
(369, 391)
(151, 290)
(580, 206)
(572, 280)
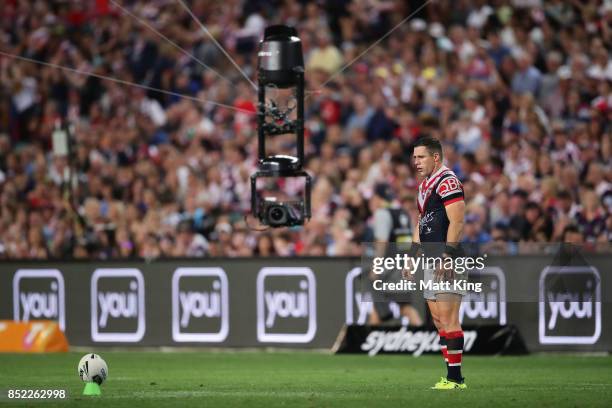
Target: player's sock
(454, 343)
(443, 346)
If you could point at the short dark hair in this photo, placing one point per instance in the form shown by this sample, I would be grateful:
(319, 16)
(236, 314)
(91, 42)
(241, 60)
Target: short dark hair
(383, 191)
(470, 158)
(570, 229)
(432, 145)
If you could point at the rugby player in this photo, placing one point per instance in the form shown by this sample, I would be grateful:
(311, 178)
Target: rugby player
(442, 208)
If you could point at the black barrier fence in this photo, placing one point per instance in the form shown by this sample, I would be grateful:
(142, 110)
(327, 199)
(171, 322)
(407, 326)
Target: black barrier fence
(296, 302)
(481, 339)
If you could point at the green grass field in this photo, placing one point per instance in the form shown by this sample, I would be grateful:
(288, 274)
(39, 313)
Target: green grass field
(305, 379)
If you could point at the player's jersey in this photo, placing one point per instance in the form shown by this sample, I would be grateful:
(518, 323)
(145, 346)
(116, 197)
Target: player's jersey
(435, 192)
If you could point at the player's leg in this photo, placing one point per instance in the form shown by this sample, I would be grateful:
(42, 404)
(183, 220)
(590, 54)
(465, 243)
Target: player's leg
(430, 296)
(447, 307)
(433, 309)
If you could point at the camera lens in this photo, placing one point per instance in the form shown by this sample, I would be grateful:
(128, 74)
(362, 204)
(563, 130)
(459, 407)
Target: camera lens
(277, 214)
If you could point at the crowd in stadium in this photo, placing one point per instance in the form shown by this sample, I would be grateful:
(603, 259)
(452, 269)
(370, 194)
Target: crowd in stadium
(519, 91)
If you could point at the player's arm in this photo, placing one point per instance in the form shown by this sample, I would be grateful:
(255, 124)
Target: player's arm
(456, 215)
(450, 191)
(455, 212)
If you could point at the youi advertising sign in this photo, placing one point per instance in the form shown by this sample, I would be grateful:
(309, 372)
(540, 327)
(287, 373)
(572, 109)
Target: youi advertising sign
(200, 305)
(286, 305)
(117, 305)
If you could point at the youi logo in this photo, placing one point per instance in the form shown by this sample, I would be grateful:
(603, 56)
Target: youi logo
(358, 301)
(286, 305)
(569, 305)
(39, 294)
(488, 305)
(117, 305)
(200, 305)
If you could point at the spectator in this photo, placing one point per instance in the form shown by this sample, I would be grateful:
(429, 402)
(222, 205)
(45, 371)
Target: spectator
(520, 97)
(325, 56)
(473, 235)
(265, 246)
(572, 235)
(592, 218)
(527, 77)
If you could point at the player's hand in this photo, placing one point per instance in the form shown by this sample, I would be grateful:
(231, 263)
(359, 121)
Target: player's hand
(443, 274)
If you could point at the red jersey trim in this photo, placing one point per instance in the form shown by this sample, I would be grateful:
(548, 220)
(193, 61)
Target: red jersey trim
(454, 200)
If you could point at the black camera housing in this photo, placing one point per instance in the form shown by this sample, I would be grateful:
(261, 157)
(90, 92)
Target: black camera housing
(297, 212)
(279, 57)
(281, 65)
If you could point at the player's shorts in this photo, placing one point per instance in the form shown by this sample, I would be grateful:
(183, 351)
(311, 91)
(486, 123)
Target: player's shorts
(428, 275)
